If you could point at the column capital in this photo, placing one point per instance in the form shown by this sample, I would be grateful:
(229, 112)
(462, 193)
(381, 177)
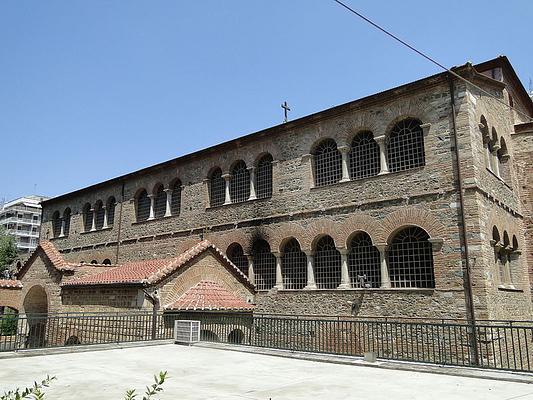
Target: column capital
(481, 126)
(168, 190)
(380, 139)
(226, 177)
(381, 246)
(344, 148)
(251, 168)
(425, 128)
(306, 157)
(495, 148)
(343, 251)
(309, 253)
(150, 196)
(436, 243)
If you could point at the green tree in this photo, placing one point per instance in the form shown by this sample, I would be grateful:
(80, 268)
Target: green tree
(8, 249)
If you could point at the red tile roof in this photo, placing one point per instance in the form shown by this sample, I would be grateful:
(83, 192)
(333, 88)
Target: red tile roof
(150, 272)
(10, 283)
(207, 295)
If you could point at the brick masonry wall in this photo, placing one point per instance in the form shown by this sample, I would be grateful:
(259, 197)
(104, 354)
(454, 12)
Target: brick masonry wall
(424, 196)
(10, 297)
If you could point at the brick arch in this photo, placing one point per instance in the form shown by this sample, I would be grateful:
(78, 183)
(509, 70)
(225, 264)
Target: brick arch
(318, 229)
(415, 108)
(360, 223)
(412, 217)
(225, 240)
(278, 236)
(400, 118)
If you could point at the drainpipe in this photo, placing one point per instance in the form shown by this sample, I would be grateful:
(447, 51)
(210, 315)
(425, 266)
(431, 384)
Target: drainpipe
(467, 280)
(119, 230)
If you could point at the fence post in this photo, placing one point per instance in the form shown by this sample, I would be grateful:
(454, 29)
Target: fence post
(154, 322)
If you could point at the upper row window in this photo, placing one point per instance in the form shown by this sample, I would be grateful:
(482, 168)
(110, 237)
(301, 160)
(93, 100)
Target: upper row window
(404, 150)
(242, 183)
(161, 203)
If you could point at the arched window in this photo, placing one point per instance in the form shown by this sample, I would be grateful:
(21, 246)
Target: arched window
(175, 202)
(66, 221)
(410, 259)
(327, 264)
(293, 266)
(217, 188)
(364, 262)
(264, 265)
(406, 146)
(56, 224)
(87, 217)
(503, 158)
(263, 177)
(495, 234)
(107, 261)
(485, 136)
(240, 182)
(110, 207)
(328, 163)
(236, 255)
(100, 211)
(160, 202)
(364, 156)
(143, 206)
(515, 243)
(94, 262)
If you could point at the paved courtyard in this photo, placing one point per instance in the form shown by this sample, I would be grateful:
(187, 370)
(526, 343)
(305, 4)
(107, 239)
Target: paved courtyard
(206, 373)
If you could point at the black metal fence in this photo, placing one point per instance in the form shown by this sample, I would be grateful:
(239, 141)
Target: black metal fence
(491, 344)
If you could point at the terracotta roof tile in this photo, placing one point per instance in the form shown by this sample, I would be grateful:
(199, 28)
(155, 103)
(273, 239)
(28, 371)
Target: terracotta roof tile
(150, 272)
(55, 256)
(10, 283)
(207, 295)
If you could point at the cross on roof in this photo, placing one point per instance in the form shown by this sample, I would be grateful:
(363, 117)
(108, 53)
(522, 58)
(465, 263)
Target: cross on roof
(286, 110)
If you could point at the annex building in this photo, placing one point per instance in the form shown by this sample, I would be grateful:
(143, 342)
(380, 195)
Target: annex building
(355, 210)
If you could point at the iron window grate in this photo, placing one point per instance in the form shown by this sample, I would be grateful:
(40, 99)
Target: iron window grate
(175, 204)
(294, 266)
(100, 211)
(328, 163)
(364, 262)
(364, 156)
(237, 257)
(410, 259)
(264, 266)
(327, 264)
(263, 177)
(160, 202)
(111, 204)
(240, 183)
(406, 146)
(143, 206)
(217, 188)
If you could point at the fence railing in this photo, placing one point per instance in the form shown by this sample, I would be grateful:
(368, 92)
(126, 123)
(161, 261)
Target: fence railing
(496, 344)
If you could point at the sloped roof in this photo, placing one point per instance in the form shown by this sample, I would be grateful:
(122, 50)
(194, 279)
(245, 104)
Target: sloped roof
(52, 254)
(150, 272)
(10, 284)
(207, 295)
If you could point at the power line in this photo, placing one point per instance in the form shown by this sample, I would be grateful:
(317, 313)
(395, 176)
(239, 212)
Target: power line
(427, 57)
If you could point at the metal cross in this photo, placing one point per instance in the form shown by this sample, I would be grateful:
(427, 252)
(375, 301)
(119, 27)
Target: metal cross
(286, 110)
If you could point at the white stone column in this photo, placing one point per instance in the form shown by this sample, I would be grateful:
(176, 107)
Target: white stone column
(104, 226)
(93, 226)
(385, 279)
(495, 160)
(62, 231)
(384, 167)
(251, 273)
(507, 267)
(345, 276)
(227, 197)
(279, 275)
(253, 195)
(168, 210)
(152, 206)
(311, 284)
(345, 151)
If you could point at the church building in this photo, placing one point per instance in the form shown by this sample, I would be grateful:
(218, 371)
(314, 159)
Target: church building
(413, 202)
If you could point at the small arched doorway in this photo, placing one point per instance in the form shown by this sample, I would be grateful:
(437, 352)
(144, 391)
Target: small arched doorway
(36, 308)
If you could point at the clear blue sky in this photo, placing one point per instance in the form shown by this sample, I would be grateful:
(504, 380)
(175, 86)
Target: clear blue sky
(90, 90)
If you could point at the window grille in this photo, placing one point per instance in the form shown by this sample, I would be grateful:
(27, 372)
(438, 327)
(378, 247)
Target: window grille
(66, 222)
(410, 259)
(264, 265)
(217, 188)
(175, 201)
(364, 156)
(56, 224)
(87, 218)
(293, 266)
(236, 255)
(160, 202)
(263, 176)
(143, 206)
(111, 204)
(240, 183)
(327, 264)
(107, 261)
(406, 146)
(328, 163)
(364, 262)
(100, 211)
